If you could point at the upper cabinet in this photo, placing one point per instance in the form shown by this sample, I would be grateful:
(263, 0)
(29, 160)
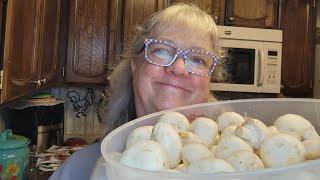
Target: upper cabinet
(135, 12)
(30, 57)
(88, 41)
(216, 8)
(298, 46)
(252, 13)
(245, 13)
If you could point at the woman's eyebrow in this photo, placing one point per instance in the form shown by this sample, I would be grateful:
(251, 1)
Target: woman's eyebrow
(165, 39)
(200, 48)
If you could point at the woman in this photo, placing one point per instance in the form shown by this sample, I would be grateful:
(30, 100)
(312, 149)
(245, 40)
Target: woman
(169, 65)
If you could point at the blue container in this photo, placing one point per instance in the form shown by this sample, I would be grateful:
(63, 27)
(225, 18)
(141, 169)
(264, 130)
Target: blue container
(14, 155)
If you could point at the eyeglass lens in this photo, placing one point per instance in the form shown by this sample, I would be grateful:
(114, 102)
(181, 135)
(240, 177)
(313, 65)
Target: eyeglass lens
(164, 54)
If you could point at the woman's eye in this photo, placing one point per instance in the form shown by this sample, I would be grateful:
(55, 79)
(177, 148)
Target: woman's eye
(161, 53)
(199, 61)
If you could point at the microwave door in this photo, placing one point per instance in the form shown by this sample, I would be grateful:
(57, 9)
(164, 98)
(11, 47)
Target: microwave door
(243, 66)
(240, 65)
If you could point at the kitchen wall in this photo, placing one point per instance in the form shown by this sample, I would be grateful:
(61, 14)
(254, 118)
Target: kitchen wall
(316, 90)
(86, 125)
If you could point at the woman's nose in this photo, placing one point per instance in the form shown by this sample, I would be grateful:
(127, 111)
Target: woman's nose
(178, 68)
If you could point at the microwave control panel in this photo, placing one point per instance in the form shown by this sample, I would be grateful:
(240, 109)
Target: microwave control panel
(273, 63)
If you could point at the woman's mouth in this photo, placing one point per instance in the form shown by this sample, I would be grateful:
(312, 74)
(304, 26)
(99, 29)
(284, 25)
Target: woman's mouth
(174, 85)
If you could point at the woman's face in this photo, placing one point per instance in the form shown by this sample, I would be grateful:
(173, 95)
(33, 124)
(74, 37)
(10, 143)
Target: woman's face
(158, 88)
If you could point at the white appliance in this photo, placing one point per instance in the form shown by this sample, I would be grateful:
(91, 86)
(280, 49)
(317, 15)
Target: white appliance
(254, 59)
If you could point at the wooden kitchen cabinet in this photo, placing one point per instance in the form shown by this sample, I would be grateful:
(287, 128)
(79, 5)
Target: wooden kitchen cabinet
(30, 57)
(87, 41)
(135, 12)
(216, 8)
(298, 46)
(245, 13)
(252, 13)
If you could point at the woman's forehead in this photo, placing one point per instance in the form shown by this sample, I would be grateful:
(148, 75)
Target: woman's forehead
(184, 37)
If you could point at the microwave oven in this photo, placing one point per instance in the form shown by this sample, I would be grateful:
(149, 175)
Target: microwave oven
(252, 60)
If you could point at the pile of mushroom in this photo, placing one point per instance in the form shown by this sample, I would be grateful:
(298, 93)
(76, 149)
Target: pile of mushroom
(229, 143)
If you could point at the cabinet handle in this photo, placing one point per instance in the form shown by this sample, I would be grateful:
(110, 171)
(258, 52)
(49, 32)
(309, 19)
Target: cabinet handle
(37, 82)
(43, 81)
(227, 32)
(231, 19)
(216, 19)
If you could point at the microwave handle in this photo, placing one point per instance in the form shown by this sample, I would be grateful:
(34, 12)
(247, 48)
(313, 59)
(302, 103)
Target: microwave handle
(261, 68)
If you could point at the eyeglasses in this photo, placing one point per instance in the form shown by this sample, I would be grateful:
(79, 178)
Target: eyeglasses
(163, 53)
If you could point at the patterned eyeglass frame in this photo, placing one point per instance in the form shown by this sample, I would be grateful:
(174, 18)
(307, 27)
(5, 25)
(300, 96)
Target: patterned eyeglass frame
(179, 51)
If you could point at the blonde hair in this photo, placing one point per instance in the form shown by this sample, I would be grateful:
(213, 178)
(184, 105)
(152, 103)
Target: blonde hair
(120, 107)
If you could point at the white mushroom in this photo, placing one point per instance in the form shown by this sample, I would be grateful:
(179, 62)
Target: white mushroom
(310, 133)
(142, 133)
(253, 131)
(176, 119)
(228, 131)
(181, 167)
(312, 147)
(273, 130)
(194, 152)
(148, 155)
(293, 123)
(168, 137)
(213, 150)
(189, 137)
(228, 119)
(206, 129)
(212, 165)
(245, 161)
(216, 139)
(282, 150)
(294, 134)
(230, 145)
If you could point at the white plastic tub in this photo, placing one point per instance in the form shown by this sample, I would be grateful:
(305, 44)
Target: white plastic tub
(266, 110)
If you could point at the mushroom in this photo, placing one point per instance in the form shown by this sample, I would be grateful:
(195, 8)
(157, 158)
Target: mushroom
(228, 119)
(213, 150)
(194, 152)
(142, 133)
(293, 123)
(310, 133)
(312, 147)
(273, 130)
(167, 136)
(228, 131)
(148, 155)
(212, 165)
(181, 167)
(189, 137)
(253, 131)
(176, 119)
(206, 129)
(230, 145)
(216, 139)
(245, 161)
(282, 150)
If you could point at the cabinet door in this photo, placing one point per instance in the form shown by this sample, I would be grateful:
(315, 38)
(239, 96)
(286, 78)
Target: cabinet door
(115, 32)
(49, 65)
(251, 13)
(298, 46)
(213, 7)
(136, 11)
(87, 42)
(19, 61)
